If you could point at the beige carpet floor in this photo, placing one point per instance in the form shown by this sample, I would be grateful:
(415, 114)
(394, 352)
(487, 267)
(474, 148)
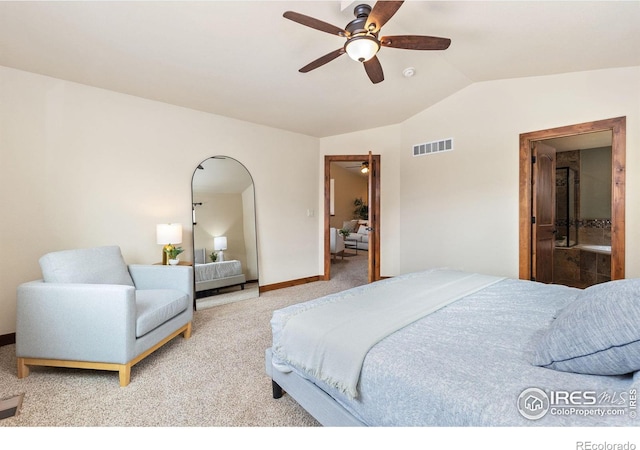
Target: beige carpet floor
(216, 378)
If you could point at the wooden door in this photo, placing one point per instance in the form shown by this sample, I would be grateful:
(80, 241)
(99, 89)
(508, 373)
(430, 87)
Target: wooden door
(374, 219)
(544, 207)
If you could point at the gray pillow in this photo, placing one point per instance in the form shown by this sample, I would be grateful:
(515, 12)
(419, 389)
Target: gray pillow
(350, 225)
(98, 265)
(598, 333)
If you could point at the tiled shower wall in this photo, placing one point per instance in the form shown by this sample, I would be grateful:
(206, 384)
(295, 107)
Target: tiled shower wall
(594, 231)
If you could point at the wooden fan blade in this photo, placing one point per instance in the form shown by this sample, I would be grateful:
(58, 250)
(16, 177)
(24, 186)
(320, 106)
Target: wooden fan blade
(374, 70)
(322, 60)
(416, 42)
(314, 23)
(380, 14)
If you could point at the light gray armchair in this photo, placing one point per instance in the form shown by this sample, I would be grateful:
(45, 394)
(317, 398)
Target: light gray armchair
(336, 242)
(93, 311)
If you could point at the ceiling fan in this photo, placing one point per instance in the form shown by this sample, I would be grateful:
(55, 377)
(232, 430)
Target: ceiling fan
(362, 37)
(364, 167)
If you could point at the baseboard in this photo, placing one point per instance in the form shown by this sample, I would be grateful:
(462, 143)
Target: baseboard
(7, 339)
(286, 284)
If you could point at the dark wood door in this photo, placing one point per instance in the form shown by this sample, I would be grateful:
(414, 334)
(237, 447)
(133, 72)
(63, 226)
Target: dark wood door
(544, 207)
(374, 218)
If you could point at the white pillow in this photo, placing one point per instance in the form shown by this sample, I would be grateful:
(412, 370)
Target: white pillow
(598, 333)
(363, 229)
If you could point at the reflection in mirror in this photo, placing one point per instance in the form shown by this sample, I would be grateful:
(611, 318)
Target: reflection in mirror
(224, 233)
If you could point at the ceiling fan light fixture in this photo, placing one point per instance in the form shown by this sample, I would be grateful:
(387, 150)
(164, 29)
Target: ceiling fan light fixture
(362, 47)
(362, 33)
(364, 168)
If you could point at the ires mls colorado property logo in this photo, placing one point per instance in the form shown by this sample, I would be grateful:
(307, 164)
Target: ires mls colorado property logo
(534, 403)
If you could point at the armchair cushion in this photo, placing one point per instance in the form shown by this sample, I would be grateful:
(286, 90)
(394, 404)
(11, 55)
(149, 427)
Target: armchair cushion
(156, 306)
(99, 265)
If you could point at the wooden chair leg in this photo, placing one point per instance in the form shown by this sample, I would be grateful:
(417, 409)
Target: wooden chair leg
(125, 375)
(187, 332)
(23, 369)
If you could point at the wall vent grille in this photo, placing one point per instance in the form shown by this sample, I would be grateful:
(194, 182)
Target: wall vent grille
(429, 148)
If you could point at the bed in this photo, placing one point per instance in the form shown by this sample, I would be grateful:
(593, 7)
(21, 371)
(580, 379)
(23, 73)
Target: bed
(216, 275)
(451, 348)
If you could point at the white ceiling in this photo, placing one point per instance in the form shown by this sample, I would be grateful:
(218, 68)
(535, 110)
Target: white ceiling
(241, 58)
(583, 141)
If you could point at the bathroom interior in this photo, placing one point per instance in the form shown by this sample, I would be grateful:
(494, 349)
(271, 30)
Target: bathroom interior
(582, 253)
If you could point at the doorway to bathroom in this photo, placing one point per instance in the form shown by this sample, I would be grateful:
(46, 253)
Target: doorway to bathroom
(563, 242)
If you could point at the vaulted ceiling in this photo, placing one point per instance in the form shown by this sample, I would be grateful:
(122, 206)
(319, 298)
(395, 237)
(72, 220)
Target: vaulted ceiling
(241, 58)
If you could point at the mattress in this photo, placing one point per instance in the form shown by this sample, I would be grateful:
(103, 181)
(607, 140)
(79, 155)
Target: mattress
(469, 364)
(216, 270)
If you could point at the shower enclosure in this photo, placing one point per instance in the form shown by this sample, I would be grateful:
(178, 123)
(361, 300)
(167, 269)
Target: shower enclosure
(566, 207)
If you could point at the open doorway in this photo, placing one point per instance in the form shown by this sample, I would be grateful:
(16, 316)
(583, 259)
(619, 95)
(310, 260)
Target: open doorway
(540, 232)
(367, 230)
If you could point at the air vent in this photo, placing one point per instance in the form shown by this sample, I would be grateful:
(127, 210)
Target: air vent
(429, 148)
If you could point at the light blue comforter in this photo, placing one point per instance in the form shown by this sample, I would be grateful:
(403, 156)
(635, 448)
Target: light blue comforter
(468, 363)
(330, 340)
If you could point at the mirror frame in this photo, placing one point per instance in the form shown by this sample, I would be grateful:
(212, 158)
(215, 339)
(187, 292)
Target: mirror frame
(254, 266)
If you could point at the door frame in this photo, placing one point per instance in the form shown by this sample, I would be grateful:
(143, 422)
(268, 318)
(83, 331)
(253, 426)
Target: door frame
(374, 211)
(617, 126)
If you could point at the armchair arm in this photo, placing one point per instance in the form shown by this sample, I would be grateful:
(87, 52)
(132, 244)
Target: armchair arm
(163, 277)
(84, 322)
(336, 241)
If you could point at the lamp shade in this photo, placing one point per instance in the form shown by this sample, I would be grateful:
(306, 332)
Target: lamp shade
(220, 243)
(169, 233)
(362, 48)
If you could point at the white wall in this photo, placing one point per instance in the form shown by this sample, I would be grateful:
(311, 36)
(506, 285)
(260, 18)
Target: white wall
(212, 222)
(595, 183)
(460, 209)
(85, 167)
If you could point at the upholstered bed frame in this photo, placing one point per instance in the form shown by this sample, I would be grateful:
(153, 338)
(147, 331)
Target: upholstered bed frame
(204, 282)
(313, 399)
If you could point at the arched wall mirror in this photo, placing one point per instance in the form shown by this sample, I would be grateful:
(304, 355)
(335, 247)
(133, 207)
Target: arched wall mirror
(224, 232)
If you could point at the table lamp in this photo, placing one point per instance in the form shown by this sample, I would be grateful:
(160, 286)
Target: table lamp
(220, 244)
(168, 234)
